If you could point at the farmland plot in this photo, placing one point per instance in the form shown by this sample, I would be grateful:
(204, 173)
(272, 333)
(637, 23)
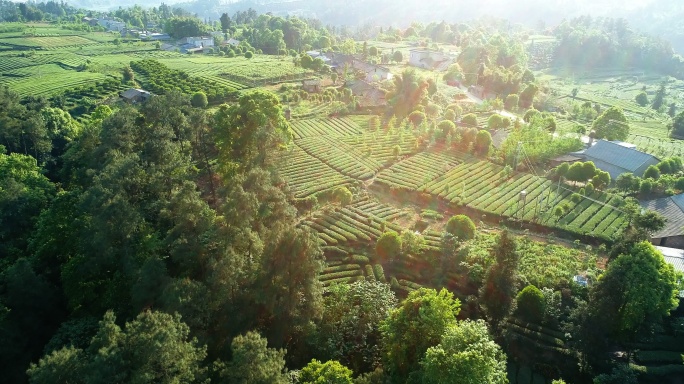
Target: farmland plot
(417, 170)
(482, 186)
(46, 80)
(318, 127)
(382, 145)
(259, 69)
(343, 157)
(363, 221)
(306, 175)
(47, 42)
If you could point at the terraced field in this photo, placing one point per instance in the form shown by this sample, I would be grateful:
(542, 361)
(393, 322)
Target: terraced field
(381, 146)
(661, 148)
(259, 69)
(46, 80)
(417, 170)
(344, 268)
(363, 221)
(47, 42)
(306, 175)
(321, 126)
(344, 158)
(482, 186)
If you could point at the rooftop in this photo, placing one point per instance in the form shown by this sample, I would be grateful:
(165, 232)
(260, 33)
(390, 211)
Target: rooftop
(671, 208)
(133, 92)
(673, 256)
(618, 155)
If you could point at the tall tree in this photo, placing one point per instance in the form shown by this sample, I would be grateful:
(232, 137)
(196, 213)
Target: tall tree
(637, 287)
(349, 330)
(24, 193)
(659, 98)
(466, 354)
(418, 324)
(155, 347)
(611, 125)
(408, 92)
(249, 131)
(499, 287)
(253, 362)
(226, 22)
(31, 309)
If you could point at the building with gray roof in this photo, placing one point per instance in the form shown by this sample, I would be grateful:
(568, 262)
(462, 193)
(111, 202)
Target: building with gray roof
(672, 208)
(617, 158)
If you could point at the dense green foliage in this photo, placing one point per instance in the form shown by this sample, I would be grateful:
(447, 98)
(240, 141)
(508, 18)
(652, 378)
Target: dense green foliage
(388, 246)
(461, 227)
(611, 125)
(330, 372)
(155, 347)
(530, 304)
(418, 324)
(465, 354)
(179, 239)
(349, 329)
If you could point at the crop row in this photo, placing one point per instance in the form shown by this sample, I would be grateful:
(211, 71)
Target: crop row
(306, 175)
(340, 156)
(46, 80)
(381, 146)
(417, 170)
(661, 148)
(318, 127)
(363, 221)
(48, 42)
(262, 68)
(160, 78)
(483, 186)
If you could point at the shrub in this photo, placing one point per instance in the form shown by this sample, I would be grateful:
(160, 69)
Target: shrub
(646, 187)
(199, 100)
(589, 189)
(530, 114)
(576, 197)
(652, 172)
(343, 196)
(416, 118)
(679, 184)
(495, 121)
(483, 141)
(412, 243)
(248, 55)
(388, 246)
(531, 303)
(642, 99)
(461, 227)
(470, 120)
(446, 128)
(511, 102)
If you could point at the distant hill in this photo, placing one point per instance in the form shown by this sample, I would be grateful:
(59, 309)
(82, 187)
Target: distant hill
(654, 17)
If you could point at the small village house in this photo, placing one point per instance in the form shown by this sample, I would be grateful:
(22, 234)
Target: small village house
(617, 158)
(672, 209)
(135, 96)
(311, 85)
(430, 59)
